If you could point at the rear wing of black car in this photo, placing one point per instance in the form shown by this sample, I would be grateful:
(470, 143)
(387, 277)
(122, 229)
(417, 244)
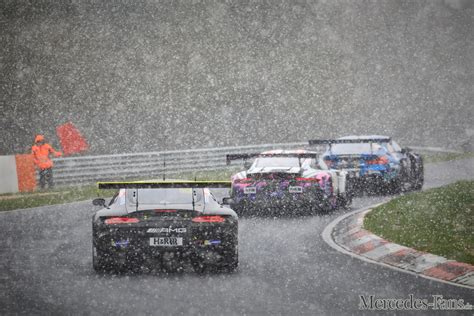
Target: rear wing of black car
(163, 184)
(231, 157)
(349, 141)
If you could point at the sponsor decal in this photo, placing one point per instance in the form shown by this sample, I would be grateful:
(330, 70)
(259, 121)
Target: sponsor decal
(211, 242)
(167, 230)
(121, 243)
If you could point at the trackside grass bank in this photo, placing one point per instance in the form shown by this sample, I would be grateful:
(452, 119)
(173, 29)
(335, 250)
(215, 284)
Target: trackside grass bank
(47, 197)
(62, 195)
(438, 221)
(439, 157)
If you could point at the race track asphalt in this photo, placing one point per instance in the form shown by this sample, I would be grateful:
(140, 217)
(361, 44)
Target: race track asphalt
(285, 268)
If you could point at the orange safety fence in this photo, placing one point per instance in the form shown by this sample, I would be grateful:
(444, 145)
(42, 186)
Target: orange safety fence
(71, 140)
(26, 172)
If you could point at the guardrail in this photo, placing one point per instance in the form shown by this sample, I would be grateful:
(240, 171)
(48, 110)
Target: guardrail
(89, 169)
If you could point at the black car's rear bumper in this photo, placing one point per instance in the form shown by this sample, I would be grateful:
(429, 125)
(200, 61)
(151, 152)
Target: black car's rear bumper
(120, 245)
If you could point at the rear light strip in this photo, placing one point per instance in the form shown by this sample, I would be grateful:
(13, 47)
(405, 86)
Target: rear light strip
(120, 220)
(380, 161)
(209, 219)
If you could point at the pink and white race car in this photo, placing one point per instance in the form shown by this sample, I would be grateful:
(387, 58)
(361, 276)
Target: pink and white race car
(287, 182)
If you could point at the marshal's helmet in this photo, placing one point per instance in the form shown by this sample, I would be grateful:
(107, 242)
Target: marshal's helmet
(39, 138)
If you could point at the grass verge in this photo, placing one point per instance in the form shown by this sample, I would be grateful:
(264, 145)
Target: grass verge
(62, 195)
(440, 157)
(438, 221)
(10, 202)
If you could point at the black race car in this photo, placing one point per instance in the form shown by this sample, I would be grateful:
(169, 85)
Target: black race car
(164, 225)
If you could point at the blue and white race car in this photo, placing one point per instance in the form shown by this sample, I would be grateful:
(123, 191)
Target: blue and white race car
(375, 163)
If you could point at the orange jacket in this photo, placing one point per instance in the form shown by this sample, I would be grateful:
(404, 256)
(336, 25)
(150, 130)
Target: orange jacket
(41, 155)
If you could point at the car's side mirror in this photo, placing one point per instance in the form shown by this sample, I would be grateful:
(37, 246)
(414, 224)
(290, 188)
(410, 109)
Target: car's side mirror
(99, 202)
(247, 165)
(227, 200)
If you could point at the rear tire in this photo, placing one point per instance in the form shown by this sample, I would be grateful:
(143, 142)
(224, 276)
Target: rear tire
(98, 260)
(230, 254)
(418, 175)
(419, 183)
(325, 208)
(104, 262)
(344, 200)
(231, 259)
(238, 208)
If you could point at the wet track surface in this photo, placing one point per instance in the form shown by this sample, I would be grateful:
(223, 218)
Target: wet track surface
(285, 268)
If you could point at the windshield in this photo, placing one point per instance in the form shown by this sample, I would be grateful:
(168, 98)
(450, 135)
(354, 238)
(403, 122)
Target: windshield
(354, 149)
(163, 196)
(277, 162)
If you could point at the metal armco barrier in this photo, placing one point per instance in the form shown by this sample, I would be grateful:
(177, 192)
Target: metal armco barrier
(89, 169)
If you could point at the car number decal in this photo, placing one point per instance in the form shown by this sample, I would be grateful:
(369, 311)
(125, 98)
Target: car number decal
(295, 189)
(250, 190)
(166, 241)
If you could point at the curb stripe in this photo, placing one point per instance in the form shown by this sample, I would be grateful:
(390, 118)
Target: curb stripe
(359, 241)
(383, 250)
(424, 261)
(449, 270)
(365, 247)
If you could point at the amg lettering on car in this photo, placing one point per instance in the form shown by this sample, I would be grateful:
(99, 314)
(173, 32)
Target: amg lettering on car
(166, 230)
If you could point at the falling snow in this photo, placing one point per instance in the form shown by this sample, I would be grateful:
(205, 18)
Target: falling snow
(142, 76)
(189, 74)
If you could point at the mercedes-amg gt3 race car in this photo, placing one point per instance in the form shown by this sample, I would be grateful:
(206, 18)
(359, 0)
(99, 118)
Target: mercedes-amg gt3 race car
(376, 164)
(162, 226)
(287, 182)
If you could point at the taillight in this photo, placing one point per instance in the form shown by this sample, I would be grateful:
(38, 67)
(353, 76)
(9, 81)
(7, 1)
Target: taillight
(243, 180)
(382, 160)
(307, 179)
(121, 220)
(209, 219)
